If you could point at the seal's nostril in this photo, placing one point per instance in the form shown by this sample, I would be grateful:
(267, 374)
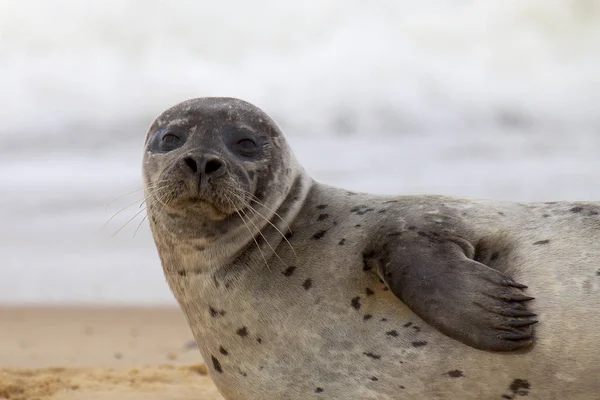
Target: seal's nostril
(191, 164)
(213, 166)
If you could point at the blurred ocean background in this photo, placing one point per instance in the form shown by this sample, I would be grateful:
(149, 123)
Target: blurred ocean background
(486, 98)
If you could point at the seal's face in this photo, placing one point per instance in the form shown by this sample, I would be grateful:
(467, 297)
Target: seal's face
(211, 157)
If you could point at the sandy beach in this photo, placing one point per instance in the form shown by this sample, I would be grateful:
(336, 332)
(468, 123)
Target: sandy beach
(100, 353)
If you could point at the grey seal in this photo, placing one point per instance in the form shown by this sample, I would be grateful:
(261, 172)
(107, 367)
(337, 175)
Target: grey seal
(295, 289)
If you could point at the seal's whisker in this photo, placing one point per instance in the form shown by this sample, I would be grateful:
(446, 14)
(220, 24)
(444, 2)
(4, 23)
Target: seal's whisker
(120, 211)
(140, 224)
(136, 214)
(132, 192)
(247, 204)
(250, 231)
(260, 203)
(265, 239)
(155, 192)
(120, 197)
(153, 188)
(128, 221)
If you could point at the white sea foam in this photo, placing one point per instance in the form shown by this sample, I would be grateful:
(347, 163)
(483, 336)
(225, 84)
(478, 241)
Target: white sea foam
(317, 65)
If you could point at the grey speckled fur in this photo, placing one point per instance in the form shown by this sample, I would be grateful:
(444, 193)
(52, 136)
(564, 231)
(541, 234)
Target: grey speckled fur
(316, 323)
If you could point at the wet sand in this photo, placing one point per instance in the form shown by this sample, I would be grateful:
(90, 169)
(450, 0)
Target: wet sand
(100, 353)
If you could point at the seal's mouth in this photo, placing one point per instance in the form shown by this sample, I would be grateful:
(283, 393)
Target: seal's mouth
(203, 198)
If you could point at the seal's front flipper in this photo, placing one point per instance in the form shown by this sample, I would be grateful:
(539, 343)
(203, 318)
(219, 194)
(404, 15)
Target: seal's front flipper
(460, 297)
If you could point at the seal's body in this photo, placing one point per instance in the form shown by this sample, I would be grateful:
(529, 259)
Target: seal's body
(298, 290)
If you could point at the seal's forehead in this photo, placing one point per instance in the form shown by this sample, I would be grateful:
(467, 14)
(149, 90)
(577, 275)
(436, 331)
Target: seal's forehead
(213, 111)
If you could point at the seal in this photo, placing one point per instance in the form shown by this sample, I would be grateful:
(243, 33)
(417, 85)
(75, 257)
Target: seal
(295, 289)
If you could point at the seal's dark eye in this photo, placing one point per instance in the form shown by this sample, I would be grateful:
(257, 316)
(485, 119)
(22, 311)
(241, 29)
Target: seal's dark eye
(246, 144)
(242, 142)
(170, 141)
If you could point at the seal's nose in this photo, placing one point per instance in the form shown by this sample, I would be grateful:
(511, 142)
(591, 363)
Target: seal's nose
(197, 166)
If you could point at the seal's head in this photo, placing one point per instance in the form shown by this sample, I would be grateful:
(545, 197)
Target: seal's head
(208, 159)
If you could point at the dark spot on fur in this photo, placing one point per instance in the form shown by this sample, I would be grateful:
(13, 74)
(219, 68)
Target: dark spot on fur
(593, 213)
(412, 228)
(390, 201)
(392, 234)
(598, 273)
(341, 243)
(319, 390)
(307, 284)
(182, 273)
(288, 235)
(576, 209)
(500, 213)
(355, 302)
(366, 266)
(259, 340)
(374, 378)
(417, 329)
(494, 256)
(546, 215)
(373, 356)
(381, 211)
(243, 373)
(323, 217)
(319, 235)
(402, 387)
(289, 271)
(200, 248)
(367, 317)
(172, 215)
(419, 344)
(322, 206)
(546, 241)
(351, 193)
(369, 292)
(243, 331)
(520, 387)
(455, 373)
(507, 397)
(385, 288)
(383, 319)
(393, 333)
(223, 351)
(406, 325)
(214, 313)
(357, 225)
(216, 364)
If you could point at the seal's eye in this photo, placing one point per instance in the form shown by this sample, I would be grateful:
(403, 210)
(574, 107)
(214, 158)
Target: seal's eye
(170, 141)
(243, 142)
(246, 147)
(246, 144)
